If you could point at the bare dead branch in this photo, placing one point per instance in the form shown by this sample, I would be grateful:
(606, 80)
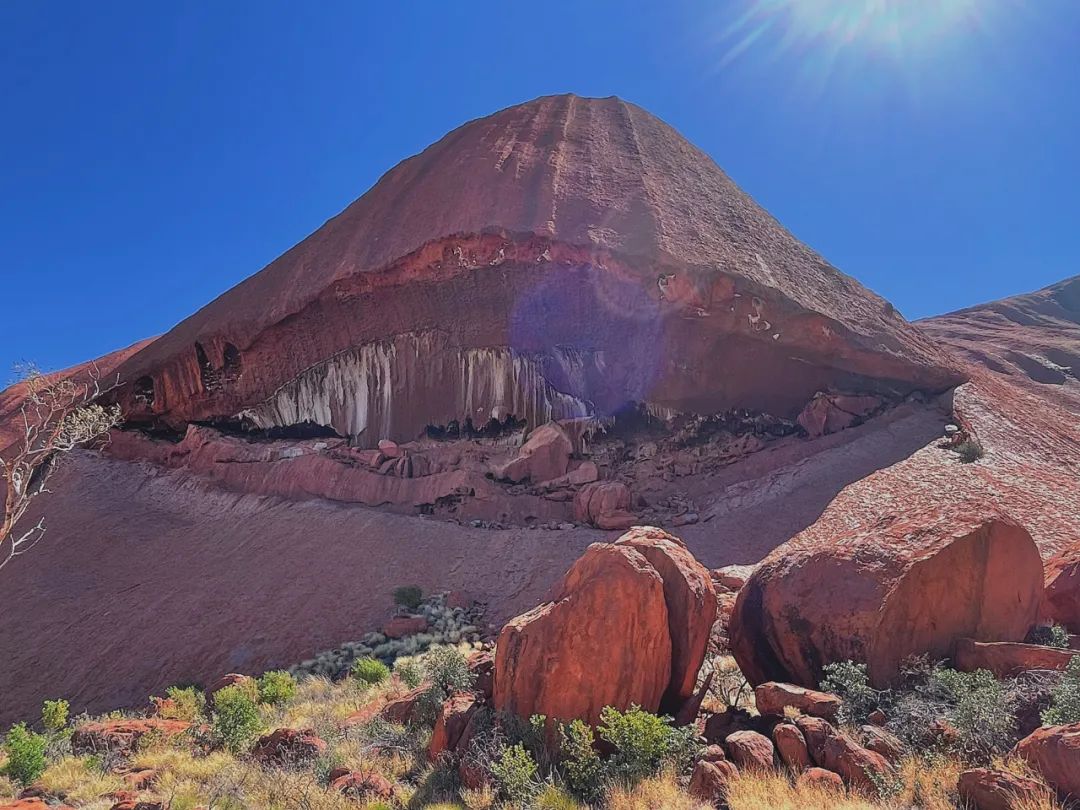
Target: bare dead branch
(57, 416)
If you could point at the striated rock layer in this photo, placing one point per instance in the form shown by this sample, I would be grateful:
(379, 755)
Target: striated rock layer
(561, 258)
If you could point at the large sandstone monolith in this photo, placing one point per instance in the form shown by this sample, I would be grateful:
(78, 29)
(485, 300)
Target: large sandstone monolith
(603, 641)
(691, 606)
(903, 586)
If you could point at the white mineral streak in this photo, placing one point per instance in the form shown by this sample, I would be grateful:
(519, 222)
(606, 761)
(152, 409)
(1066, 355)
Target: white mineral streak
(394, 388)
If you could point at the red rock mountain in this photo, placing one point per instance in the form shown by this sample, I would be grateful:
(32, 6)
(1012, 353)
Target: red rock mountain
(560, 258)
(1032, 339)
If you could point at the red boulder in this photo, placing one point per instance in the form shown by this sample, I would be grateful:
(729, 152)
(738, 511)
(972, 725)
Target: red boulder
(904, 586)
(988, 789)
(691, 606)
(709, 781)
(1063, 589)
(1054, 753)
(603, 641)
(453, 718)
(603, 504)
(121, 736)
(750, 751)
(772, 698)
(791, 746)
(402, 626)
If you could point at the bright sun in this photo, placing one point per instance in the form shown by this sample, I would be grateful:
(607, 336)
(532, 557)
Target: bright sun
(881, 22)
(885, 27)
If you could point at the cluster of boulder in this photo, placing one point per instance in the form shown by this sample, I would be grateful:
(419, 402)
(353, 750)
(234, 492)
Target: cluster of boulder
(443, 618)
(795, 730)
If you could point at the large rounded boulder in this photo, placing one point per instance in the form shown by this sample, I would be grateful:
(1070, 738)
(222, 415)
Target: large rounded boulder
(691, 606)
(879, 594)
(629, 625)
(603, 641)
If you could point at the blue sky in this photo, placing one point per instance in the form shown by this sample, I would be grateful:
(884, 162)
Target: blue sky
(155, 154)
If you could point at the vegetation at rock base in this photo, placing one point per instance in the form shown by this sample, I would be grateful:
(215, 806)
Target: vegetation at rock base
(969, 451)
(276, 687)
(236, 718)
(25, 752)
(1065, 697)
(408, 596)
(370, 671)
(1049, 635)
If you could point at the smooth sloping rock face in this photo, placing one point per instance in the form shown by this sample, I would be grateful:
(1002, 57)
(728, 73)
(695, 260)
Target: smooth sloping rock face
(1054, 752)
(558, 258)
(902, 587)
(1033, 339)
(691, 606)
(603, 641)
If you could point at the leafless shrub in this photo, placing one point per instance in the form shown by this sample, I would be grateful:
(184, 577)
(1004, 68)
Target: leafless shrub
(56, 416)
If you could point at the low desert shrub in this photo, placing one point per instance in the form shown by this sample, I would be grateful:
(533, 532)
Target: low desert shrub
(517, 775)
(80, 780)
(969, 451)
(410, 671)
(188, 704)
(553, 797)
(1049, 635)
(276, 687)
(644, 743)
(1065, 697)
(370, 671)
(849, 681)
(408, 596)
(582, 768)
(25, 754)
(236, 718)
(446, 670)
(54, 715)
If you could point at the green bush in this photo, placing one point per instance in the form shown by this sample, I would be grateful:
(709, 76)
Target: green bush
(969, 450)
(276, 687)
(236, 718)
(410, 671)
(643, 743)
(408, 596)
(850, 682)
(26, 754)
(189, 703)
(446, 670)
(1065, 699)
(581, 765)
(370, 671)
(54, 715)
(515, 773)
(1049, 635)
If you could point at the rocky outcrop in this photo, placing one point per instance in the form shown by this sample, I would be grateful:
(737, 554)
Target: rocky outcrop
(791, 747)
(647, 578)
(586, 665)
(709, 780)
(905, 586)
(454, 717)
(1054, 753)
(1009, 659)
(835, 751)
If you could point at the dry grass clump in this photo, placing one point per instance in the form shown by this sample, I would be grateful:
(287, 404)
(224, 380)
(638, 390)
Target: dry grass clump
(773, 791)
(79, 780)
(660, 791)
